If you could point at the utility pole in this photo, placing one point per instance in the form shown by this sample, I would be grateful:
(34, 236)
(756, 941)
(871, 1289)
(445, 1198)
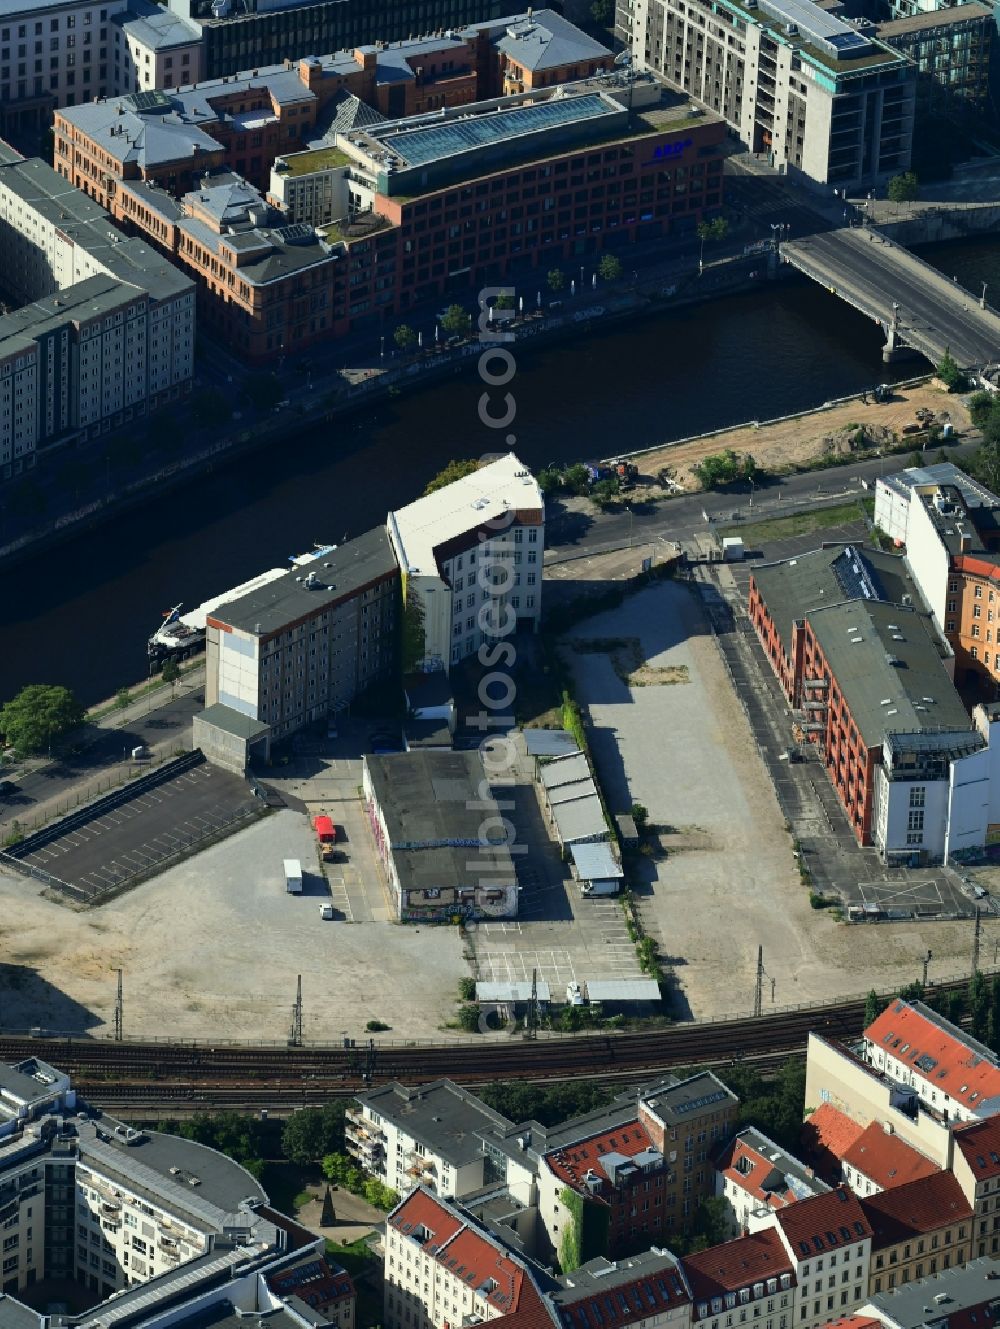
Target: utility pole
(295, 1037)
(120, 1011)
(369, 1072)
(531, 1024)
(976, 938)
(759, 988)
(927, 959)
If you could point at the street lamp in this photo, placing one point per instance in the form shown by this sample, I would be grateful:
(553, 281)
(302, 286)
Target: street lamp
(982, 298)
(628, 509)
(750, 478)
(381, 348)
(581, 276)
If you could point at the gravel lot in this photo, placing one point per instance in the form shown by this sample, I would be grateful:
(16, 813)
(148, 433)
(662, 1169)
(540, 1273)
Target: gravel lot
(728, 881)
(213, 947)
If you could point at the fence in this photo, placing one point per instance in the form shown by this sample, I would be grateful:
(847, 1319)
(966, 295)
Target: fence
(128, 783)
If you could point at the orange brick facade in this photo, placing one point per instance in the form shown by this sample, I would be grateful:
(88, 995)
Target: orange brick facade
(972, 617)
(788, 671)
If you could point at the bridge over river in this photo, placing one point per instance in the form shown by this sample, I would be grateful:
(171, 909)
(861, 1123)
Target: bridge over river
(917, 306)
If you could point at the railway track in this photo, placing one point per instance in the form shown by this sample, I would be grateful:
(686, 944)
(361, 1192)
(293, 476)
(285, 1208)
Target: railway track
(110, 1071)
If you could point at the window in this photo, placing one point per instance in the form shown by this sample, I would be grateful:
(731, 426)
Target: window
(915, 822)
(917, 794)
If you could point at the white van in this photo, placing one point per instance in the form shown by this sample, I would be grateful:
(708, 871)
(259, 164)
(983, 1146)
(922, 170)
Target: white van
(326, 911)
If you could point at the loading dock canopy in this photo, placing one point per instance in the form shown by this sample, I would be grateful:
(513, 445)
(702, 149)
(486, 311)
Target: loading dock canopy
(508, 993)
(595, 862)
(623, 989)
(549, 743)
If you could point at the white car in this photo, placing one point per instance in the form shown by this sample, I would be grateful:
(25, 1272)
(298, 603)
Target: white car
(326, 911)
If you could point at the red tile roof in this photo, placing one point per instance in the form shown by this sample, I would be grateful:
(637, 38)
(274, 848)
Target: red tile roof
(749, 1169)
(823, 1222)
(886, 1159)
(920, 1206)
(979, 1142)
(826, 1136)
(572, 1162)
(942, 1057)
(316, 1281)
(736, 1264)
(464, 1252)
(649, 1294)
(854, 1322)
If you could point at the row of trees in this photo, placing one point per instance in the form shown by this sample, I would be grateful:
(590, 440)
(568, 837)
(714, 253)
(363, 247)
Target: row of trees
(984, 408)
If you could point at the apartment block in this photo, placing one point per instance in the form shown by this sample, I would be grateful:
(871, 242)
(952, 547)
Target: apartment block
(822, 98)
(878, 1160)
(950, 1299)
(751, 1278)
(639, 1170)
(952, 49)
(976, 1165)
(828, 1239)
(952, 1073)
(431, 1136)
(470, 556)
(106, 332)
(920, 1228)
(300, 643)
(162, 1225)
(755, 1176)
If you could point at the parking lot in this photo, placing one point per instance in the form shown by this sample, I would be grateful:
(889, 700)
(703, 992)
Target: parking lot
(558, 934)
(727, 880)
(143, 829)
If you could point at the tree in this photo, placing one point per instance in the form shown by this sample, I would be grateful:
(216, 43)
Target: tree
(640, 815)
(468, 1017)
(455, 470)
(123, 699)
(606, 491)
(903, 188)
(576, 478)
(504, 300)
(609, 268)
(556, 280)
(312, 1133)
(979, 1003)
(982, 406)
(873, 1008)
(414, 634)
(723, 468)
(993, 1021)
(171, 671)
(949, 373)
(405, 338)
(720, 228)
(550, 480)
(39, 714)
(455, 321)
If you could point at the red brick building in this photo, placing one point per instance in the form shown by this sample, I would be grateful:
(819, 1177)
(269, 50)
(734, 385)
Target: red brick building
(269, 293)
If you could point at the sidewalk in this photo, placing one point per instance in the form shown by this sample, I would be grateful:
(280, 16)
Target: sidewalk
(142, 720)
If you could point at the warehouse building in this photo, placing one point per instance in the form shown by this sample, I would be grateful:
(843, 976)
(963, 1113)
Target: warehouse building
(440, 836)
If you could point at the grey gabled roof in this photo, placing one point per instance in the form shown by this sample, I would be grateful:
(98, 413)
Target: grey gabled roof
(889, 669)
(545, 39)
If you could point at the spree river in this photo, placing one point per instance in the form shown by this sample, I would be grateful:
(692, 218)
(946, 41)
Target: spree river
(80, 613)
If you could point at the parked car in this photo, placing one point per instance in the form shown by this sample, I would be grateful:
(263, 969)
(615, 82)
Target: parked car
(326, 911)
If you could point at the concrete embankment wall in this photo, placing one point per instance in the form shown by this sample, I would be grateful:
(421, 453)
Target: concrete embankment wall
(929, 226)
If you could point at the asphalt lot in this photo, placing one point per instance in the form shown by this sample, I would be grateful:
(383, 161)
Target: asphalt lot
(144, 830)
(558, 934)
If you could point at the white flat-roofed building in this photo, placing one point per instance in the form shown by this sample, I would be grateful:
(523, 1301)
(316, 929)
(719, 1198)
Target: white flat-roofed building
(893, 494)
(471, 555)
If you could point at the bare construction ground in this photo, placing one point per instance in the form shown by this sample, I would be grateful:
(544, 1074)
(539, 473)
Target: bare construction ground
(794, 442)
(670, 733)
(212, 948)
